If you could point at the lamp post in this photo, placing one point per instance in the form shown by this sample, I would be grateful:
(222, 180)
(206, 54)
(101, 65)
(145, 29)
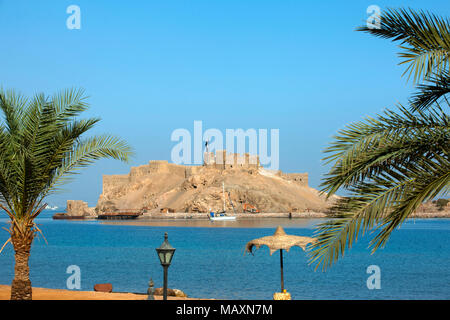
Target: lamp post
(165, 254)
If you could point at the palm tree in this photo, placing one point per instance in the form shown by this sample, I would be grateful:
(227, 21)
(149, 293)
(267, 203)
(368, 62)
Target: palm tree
(41, 146)
(390, 164)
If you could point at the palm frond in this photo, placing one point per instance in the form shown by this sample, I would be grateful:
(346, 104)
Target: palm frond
(86, 152)
(424, 39)
(389, 165)
(41, 142)
(364, 149)
(437, 87)
(430, 178)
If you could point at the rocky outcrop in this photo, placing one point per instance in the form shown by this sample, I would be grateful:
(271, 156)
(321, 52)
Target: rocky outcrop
(191, 189)
(78, 208)
(170, 293)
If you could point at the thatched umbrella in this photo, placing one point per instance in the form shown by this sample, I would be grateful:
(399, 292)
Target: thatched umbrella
(279, 241)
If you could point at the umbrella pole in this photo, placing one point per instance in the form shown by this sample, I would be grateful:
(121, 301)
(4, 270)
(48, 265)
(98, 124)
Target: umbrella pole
(281, 266)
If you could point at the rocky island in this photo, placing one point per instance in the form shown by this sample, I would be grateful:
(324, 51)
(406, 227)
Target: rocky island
(234, 182)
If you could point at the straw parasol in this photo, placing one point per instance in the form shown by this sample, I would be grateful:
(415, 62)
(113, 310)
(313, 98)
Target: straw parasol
(279, 241)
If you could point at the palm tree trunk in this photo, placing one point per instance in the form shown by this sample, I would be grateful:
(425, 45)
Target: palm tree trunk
(21, 239)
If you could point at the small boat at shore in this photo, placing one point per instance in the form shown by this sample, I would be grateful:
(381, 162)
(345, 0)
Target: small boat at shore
(220, 217)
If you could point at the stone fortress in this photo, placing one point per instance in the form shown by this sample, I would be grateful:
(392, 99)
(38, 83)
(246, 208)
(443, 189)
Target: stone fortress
(160, 185)
(160, 188)
(221, 160)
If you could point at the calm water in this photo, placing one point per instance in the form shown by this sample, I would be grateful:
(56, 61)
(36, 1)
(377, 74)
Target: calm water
(209, 260)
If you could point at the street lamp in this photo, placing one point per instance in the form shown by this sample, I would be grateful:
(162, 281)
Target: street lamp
(165, 254)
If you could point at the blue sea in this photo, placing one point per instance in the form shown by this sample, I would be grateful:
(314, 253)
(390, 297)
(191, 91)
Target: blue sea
(209, 261)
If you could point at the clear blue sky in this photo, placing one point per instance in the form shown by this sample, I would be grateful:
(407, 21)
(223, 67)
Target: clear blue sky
(151, 67)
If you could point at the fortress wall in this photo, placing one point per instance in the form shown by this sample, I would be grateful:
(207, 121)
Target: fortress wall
(114, 180)
(154, 166)
(191, 170)
(144, 170)
(240, 159)
(253, 161)
(221, 157)
(160, 166)
(224, 160)
(178, 169)
(209, 159)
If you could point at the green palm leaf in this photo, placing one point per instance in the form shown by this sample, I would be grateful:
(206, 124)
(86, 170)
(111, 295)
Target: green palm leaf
(436, 87)
(389, 165)
(424, 39)
(41, 143)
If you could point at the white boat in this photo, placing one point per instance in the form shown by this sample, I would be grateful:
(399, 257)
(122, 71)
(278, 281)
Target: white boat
(221, 216)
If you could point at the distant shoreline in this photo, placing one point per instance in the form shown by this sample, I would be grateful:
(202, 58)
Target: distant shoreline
(252, 216)
(246, 216)
(292, 215)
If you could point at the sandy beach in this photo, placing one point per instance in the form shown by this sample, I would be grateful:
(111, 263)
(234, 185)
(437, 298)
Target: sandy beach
(60, 294)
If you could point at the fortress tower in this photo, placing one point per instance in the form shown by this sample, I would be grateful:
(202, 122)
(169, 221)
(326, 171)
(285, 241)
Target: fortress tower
(223, 160)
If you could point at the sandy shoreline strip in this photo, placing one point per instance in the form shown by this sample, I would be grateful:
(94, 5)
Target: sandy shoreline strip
(61, 294)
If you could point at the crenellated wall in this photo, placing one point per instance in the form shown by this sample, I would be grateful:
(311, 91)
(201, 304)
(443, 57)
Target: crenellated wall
(146, 170)
(223, 160)
(114, 180)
